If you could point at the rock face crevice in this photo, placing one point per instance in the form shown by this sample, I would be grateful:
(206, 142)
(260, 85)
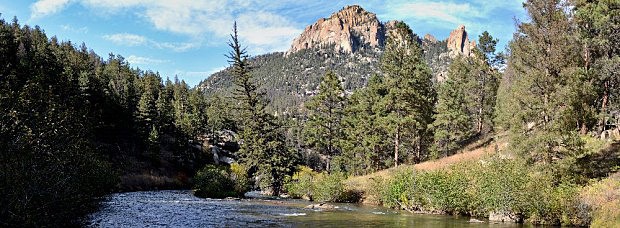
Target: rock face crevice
(459, 44)
(347, 30)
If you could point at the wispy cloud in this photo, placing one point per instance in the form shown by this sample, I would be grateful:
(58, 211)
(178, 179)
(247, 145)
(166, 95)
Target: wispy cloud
(69, 28)
(126, 39)
(131, 40)
(476, 15)
(140, 60)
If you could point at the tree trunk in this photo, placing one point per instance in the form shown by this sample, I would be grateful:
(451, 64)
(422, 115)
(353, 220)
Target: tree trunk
(329, 161)
(601, 122)
(396, 146)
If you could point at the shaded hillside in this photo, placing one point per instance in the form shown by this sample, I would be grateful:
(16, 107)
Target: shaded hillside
(289, 80)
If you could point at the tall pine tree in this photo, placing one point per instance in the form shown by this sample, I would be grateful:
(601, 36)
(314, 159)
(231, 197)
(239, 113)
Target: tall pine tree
(323, 130)
(411, 96)
(263, 143)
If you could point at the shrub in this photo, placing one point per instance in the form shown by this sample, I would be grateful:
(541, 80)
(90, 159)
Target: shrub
(480, 188)
(217, 182)
(322, 187)
(603, 198)
(239, 176)
(300, 184)
(329, 187)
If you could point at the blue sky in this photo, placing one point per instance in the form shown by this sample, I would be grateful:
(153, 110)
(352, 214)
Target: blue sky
(187, 38)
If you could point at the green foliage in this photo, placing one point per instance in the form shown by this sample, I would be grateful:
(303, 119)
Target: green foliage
(454, 123)
(323, 131)
(322, 187)
(478, 189)
(603, 198)
(215, 182)
(545, 98)
(51, 173)
(598, 26)
(366, 146)
(239, 176)
(73, 121)
(300, 185)
(263, 142)
(409, 102)
(329, 187)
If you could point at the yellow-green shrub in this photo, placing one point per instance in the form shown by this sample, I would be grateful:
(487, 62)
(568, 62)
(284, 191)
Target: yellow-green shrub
(603, 197)
(319, 186)
(481, 188)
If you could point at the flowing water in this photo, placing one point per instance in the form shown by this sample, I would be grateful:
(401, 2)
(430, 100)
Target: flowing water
(182, 209)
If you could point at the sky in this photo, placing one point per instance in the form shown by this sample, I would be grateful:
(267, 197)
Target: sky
(188, 38)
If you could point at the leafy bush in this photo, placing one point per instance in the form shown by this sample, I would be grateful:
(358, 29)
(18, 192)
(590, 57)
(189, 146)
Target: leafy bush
(220, 182)
(239, 176)
(301, 184)
(329, 188)
(322, 187)
(603, 198)
(481, 188)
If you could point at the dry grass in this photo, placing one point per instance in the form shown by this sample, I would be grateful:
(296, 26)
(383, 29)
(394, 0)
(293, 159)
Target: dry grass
(603, 198)
(474, 151)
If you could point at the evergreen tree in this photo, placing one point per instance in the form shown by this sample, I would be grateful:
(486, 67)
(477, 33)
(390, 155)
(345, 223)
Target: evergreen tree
(454, 122)
(544, 84)
(599, 27)
(366, 147)
(263, 143)
(323, 130)
(411, 97)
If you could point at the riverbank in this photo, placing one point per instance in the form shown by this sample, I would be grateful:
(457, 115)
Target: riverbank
(489, 183)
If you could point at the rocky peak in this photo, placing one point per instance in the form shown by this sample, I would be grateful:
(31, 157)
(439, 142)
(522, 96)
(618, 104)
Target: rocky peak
(430, 38)
(347, 30)
(459, 44)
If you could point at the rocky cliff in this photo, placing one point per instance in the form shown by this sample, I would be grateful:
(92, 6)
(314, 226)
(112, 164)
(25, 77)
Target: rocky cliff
(459, 44)
(347, 30)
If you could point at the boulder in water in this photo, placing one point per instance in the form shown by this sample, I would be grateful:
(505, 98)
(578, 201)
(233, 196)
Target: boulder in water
(505, 216)
(321, 206)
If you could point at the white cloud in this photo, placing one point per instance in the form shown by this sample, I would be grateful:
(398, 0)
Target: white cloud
(47, 7)
(139, 60)
(126, 39)
(203, 21)
(266, 31)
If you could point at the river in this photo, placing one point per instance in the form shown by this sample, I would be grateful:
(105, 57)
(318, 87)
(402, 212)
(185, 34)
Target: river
(181, 209)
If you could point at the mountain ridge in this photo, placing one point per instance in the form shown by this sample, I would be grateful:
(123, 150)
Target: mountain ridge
(350, 43)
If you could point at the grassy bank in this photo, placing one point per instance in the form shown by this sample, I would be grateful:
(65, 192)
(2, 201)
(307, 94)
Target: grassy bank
(487, 182)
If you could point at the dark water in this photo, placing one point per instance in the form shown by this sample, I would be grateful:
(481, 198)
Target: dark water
(182, 209)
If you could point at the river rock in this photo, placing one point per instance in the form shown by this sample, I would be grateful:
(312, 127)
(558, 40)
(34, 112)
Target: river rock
(321, 206)
(473, 220)
(505, 216)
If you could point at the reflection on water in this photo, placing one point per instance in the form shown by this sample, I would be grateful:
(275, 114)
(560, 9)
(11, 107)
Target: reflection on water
(182, 209)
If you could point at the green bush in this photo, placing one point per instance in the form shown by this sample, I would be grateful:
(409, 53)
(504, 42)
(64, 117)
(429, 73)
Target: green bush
(300, 185)
(329, 187)
(306, 183)
(480, 188)
(239, 176)
(220, 182)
